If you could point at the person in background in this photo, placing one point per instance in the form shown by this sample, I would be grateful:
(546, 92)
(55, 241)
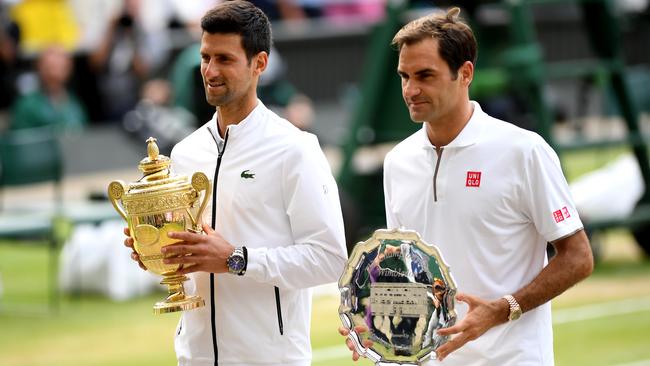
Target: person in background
(273, 228)
(52, 104)
(9, 38)
(154, 115)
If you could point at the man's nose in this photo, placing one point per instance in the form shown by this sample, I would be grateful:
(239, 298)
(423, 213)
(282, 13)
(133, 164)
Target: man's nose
(410, 89)
(211, 70)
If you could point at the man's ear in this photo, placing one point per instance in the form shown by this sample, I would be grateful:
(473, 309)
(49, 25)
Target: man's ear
(466, 73)
(260, 61)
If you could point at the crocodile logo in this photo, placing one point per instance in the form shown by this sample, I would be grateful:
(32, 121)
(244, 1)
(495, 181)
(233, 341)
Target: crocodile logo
(246, 174)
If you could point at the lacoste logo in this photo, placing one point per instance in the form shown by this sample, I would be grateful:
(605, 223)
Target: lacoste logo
(246, 174)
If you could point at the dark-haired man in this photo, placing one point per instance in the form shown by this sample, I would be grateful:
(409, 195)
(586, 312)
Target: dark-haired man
(490, 195)
(276, 227)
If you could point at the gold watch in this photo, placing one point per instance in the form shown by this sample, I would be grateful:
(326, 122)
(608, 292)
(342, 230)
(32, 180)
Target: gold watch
(515, 309)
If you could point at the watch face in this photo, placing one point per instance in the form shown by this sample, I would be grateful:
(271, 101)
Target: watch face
(515, 315)
(236, 263)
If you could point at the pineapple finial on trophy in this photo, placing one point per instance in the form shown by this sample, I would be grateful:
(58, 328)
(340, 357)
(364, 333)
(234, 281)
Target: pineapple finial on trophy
(154, 166)
(152, 148)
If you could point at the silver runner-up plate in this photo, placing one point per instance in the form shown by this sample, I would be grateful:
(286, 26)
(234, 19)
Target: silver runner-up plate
(400, 289)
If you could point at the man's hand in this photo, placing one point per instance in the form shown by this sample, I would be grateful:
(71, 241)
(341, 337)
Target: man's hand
(128, 242)
(481, 316)
(350, 343)
(198, 252)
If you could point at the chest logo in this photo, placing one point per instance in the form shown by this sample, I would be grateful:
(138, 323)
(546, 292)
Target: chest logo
(247, 174)
(473, 179)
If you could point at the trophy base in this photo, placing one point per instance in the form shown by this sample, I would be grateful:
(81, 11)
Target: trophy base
(188, 303)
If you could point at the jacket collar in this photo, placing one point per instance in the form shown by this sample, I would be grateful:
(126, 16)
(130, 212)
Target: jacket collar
(469, 135)
(245, 125)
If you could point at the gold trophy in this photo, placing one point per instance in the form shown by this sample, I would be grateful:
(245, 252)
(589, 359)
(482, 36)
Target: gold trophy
(155, 205)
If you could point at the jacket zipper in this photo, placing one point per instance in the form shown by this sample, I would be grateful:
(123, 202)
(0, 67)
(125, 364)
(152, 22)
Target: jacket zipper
(279, 309)
(435, 173)
(214, 222)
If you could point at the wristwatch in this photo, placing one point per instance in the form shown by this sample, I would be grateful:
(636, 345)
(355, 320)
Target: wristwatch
(515, 309)
(237, 261)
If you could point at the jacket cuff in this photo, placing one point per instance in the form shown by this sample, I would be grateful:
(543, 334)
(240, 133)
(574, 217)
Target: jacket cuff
(254, 267)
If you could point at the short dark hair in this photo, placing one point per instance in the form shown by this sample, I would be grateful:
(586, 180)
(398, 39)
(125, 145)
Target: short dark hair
(243, 18)
(456, 42)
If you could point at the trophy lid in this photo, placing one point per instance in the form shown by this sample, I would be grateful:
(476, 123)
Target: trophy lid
(155, 162)
(159, 191)
(156, 171)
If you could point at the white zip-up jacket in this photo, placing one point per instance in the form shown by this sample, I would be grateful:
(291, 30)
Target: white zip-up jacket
(276, 196)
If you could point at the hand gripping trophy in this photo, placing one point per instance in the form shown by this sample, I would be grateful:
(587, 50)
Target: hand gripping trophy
(153, 206)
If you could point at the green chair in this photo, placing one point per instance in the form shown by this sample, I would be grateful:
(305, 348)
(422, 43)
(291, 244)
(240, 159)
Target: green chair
(26, 157)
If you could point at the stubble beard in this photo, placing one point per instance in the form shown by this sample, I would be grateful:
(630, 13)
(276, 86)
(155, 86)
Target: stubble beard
(217, 100)
(420, 117)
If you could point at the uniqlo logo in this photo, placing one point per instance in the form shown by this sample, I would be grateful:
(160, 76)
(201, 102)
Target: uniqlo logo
(473, 179)
(561, 214)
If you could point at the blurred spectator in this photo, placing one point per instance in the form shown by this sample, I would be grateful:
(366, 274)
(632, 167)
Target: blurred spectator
(290, 9)
(187, 84)
(135, 47)
(278, 93)
(52, 104)
(365, 10)
(9, 36)
(45, 22)
(632, 6)
(155, 116)
(189, 13)
(300, 112)
(94, 18)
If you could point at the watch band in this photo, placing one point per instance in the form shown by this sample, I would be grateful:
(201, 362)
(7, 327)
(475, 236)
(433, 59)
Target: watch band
(245, 260)
(515, 309)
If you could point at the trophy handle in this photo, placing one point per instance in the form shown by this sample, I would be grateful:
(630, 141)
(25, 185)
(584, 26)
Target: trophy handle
(200, 182)
(116, 190)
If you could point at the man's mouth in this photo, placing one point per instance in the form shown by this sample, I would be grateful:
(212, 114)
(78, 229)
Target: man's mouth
(415, 103)
(215, 84)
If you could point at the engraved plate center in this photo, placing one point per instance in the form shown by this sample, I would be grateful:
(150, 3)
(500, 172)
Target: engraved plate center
(405, 299)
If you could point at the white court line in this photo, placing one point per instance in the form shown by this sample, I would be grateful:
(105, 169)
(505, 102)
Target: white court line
(601, 310)
(331, 353)
(562, 316)
(635, 363)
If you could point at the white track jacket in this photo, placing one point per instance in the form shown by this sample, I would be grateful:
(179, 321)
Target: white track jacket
(276, 196)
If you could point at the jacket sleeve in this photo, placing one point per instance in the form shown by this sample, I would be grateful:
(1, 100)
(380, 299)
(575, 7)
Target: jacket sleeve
(317, 254)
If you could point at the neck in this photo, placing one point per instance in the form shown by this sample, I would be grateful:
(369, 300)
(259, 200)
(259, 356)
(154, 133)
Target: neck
(233, 113)
(54, 91)
(56, 96)
(444, 130)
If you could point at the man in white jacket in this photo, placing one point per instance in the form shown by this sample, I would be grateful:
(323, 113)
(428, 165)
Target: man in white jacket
(276, 226)
(490, 195)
